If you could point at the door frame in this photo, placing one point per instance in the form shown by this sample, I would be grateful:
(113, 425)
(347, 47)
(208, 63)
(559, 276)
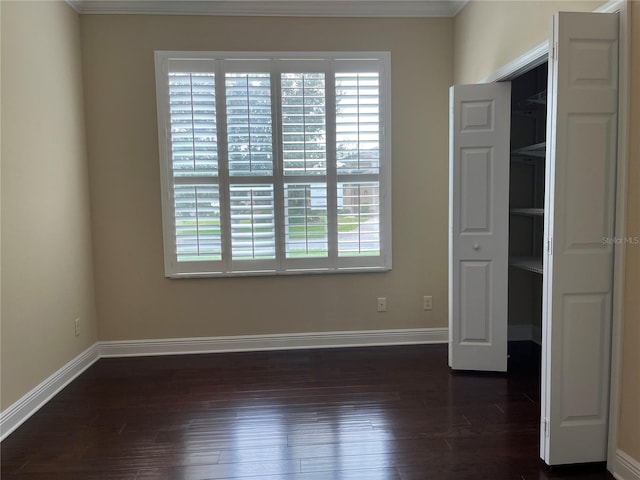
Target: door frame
(528, 61)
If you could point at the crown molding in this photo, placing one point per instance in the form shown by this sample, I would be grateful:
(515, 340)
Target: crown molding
(270, 8)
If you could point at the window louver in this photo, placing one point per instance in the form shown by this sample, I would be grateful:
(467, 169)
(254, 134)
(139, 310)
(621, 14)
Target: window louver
(194, 145)
(304, 139)
(358, 122)
(306, 226)
(197, 223)
(249, 131)
(252, 222)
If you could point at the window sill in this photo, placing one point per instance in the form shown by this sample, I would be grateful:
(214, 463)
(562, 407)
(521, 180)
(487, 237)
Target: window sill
(266, 273)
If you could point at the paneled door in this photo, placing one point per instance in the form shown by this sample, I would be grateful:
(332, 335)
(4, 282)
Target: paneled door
(478, 225)
(579, 207)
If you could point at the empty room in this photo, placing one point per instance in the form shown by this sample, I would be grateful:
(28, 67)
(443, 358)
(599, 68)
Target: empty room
(308, 240)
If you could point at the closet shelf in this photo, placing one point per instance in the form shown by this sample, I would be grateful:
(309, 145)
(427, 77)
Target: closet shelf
(539, 98)
(538, 212)
(538, 150)
(530, 264)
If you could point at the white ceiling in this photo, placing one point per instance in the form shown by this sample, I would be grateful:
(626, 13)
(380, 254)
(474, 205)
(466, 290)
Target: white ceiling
(302, 8)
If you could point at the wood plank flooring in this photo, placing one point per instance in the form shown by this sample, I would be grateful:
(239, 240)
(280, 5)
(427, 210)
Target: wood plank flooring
(383, 413)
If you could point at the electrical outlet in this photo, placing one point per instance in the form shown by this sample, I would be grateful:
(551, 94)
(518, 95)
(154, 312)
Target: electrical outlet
(382, 304)
(428, 302)
(76, 324)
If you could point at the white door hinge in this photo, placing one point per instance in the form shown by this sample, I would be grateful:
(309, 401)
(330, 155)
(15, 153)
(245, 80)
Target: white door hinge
(554, 51)
(545, 424)
(550, 246)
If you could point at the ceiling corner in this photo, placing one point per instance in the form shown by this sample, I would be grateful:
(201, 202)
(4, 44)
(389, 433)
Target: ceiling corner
(458, 6)
(75, 4)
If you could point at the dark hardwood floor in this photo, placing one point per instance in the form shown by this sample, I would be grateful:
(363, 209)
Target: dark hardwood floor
(379, 413)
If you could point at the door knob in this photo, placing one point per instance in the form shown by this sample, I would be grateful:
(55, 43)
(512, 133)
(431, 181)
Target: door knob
(476, 246)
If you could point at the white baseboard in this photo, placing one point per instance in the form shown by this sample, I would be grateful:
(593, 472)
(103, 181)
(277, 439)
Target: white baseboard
(16, 414)
(287, 341)
(626, 467)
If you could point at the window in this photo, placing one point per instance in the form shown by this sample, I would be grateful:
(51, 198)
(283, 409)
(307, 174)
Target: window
(274, 163)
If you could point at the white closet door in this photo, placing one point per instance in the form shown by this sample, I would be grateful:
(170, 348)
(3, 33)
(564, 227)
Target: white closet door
(479, 225)
(581, 170)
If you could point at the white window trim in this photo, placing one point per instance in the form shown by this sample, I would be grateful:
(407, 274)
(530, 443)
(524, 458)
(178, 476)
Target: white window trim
(342, 62)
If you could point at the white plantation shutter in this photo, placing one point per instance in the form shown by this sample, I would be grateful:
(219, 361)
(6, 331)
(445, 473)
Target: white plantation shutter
(274, 163)
(358, 122)
(304, 126)
(358, 219)
(193, 124)
(304, 157)
(306, 226)
(194, 163)
(358, 162)
(252, 222)
(250, 153)
(249, 131)
(197, 222)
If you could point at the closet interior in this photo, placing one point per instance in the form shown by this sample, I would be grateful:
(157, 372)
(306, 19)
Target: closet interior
(526, 203)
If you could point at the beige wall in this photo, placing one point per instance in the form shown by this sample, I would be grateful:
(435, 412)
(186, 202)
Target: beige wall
(490, 34)
(134, 299)
(47, 278)
(630, 405)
